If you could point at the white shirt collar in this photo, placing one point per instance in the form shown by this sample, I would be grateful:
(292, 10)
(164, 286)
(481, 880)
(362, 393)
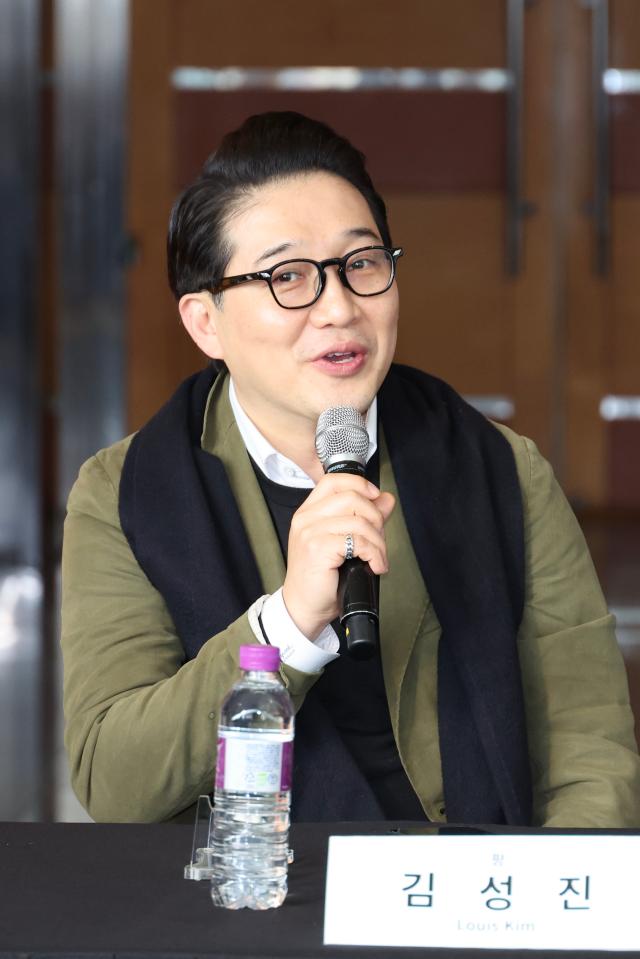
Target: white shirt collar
(273, 464)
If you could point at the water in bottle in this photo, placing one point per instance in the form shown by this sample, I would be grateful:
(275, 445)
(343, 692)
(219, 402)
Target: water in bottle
(250, 830)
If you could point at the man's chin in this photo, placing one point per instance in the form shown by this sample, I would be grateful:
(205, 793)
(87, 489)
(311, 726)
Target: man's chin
(344, 394)
(357, 391)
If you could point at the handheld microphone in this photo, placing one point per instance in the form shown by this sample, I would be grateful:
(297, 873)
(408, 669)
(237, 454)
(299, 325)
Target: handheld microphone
(342, 444)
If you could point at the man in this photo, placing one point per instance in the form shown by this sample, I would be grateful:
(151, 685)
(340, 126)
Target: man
(499, 694)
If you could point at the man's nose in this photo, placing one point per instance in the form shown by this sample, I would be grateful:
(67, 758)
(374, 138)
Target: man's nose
(337, 305)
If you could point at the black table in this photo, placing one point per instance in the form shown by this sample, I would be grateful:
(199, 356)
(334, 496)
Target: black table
(117, 890)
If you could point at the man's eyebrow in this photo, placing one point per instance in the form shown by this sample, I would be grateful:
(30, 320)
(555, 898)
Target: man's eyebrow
(361, 231)
(273, 251)
(357, 232)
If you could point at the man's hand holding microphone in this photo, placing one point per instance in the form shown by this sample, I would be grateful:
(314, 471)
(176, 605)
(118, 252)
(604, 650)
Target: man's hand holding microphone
(337, 546)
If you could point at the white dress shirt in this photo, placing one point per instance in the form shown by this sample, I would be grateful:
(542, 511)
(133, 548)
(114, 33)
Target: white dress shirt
(295, 648)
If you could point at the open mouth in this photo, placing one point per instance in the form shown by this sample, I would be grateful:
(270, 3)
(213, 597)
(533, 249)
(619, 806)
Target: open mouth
(342, 362)
(339, 357)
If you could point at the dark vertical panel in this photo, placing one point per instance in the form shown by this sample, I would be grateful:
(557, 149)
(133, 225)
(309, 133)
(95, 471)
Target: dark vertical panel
(20, 547)
(515, 206)
(91, 57)
(19, 92)
(624, 464)
(625, 143)
(601, 157)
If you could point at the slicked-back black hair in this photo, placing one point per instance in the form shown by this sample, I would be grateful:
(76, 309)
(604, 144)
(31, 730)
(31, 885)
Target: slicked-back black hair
(268, 146)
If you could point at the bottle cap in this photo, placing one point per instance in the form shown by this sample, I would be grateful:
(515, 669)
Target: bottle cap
(266, 658)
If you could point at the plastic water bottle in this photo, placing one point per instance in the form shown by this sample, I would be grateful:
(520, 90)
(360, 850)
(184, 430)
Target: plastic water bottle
(250, 832)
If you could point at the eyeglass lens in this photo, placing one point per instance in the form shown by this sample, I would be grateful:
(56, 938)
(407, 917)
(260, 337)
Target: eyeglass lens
(367, 272)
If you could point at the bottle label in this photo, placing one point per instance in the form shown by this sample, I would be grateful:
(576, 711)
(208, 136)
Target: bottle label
(248, 762)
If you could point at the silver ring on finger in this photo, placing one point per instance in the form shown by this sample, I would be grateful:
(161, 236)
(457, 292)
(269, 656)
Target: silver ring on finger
(348, 546)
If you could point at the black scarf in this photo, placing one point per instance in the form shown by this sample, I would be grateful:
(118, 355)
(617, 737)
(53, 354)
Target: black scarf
(458, 485)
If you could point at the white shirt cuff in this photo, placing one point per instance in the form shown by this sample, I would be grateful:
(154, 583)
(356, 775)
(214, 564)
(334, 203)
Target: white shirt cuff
(295, 649)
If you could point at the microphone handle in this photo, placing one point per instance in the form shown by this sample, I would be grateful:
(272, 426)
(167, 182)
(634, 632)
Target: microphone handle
(358, 594)
(358, 590)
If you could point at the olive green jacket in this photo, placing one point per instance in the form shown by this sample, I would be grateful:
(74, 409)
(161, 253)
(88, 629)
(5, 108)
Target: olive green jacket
(141, 723)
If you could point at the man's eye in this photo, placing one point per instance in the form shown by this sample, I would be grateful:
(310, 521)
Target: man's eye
(360, 264)
(289, 276)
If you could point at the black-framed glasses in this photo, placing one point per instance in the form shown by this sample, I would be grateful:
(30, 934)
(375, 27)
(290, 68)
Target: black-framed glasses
(294, 284)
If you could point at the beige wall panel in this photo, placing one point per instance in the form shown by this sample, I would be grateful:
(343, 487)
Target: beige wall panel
(427, 33)
(623, 313)
(456, 312)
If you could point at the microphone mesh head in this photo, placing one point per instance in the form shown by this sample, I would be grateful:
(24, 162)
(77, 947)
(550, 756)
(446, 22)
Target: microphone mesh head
(342, 434)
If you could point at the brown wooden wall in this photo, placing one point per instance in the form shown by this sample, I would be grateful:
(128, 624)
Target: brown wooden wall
(558, 336)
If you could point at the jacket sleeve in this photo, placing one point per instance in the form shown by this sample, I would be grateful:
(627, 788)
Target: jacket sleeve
(585, 765)
(140, 723)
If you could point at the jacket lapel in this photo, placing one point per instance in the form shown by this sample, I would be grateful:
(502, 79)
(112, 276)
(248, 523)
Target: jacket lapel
(221, 439)
(403, 597)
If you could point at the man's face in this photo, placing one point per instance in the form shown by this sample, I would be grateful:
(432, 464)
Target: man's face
(284, 362)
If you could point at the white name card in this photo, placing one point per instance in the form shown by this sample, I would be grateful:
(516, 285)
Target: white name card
(486, 892)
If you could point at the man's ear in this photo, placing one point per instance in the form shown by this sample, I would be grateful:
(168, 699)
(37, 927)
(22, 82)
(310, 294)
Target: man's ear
(199, 316)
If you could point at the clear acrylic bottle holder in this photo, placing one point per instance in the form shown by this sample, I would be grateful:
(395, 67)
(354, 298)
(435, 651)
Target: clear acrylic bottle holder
(201, 865)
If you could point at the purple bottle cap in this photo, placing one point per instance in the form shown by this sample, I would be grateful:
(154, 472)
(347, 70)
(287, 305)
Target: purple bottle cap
(266, 658)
